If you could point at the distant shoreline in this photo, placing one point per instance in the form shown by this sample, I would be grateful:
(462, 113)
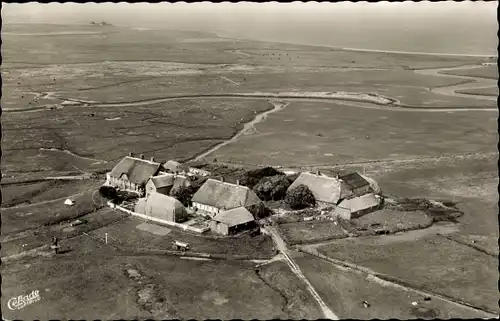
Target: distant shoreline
(367, 50)
(495, 55)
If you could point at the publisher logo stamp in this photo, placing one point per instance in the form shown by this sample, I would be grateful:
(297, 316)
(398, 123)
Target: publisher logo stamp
(19, 302)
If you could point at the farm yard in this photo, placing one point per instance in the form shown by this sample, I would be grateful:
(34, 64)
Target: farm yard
(181, 95)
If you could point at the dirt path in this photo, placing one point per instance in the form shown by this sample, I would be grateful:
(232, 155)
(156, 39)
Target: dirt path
(277, 106)
(281, 246)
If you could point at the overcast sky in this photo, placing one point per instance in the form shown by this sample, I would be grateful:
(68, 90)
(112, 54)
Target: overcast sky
(291, 22)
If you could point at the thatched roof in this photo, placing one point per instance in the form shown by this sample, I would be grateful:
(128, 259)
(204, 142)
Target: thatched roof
(225, 195)
(164, 207)
(325, 189)
(234, 217)
(137, 170)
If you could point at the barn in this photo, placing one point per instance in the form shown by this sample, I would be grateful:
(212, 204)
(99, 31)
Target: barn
(216, 196)
(132, 173)
(326, 190)
(357, 206)
(232, 221)
(162, 207)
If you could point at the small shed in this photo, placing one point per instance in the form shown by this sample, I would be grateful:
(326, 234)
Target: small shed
(357, 206)
(232, 221)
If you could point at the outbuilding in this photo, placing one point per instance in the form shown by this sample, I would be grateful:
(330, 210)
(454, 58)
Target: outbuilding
(232, 221)
(357, 206)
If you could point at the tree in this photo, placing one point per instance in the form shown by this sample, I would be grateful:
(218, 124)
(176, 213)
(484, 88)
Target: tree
(108, 192)
(272, 188)
(300, 197)
(182, 194)
(185, 193)
(252, 177)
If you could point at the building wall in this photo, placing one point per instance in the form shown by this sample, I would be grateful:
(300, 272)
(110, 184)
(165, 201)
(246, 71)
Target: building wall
(219, 228)
(204, 209)
(342, 213)
(124, 184)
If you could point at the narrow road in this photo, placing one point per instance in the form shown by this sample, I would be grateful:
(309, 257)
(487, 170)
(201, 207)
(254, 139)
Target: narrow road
(281, 246)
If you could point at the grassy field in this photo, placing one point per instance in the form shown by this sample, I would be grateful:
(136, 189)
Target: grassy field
(18, 219)
(299, 303)
(484, 72)
(13, 195)
(46, 64)
(429, 260)
(432, 263)
(94, 282)
(171, 130)
(344, 292)
(126, 233)
(306, 139)
(309, 232)
(17, 243)
(392, 221)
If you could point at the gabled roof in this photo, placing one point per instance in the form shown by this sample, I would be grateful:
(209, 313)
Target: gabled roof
(138, 170)
(325, 189)
(163, 180)
(234, 217)
(225, 195)
(354, 180)
(360, 203)
(174, 166)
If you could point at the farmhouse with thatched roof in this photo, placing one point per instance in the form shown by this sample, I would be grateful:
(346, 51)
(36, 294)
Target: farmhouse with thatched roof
(216, 196)
(326, 190)
(132, 173)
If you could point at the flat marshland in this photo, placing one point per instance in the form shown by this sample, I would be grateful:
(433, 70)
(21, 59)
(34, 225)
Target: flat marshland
(77, 98)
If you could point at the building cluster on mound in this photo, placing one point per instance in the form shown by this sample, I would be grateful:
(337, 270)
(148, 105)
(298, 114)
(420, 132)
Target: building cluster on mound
(175, 193)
